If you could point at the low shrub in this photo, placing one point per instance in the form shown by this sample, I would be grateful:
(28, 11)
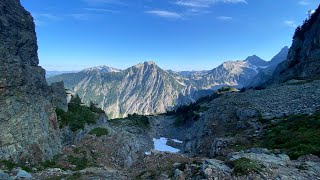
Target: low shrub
(99, 131)
(11, 165)
(139, 120)
(245, 166)
(80, 162)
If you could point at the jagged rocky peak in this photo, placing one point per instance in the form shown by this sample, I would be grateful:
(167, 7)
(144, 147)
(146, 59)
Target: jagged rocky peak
(256, 61)
(29, 129)
(265, 74)
(304, 55)
(146, 64)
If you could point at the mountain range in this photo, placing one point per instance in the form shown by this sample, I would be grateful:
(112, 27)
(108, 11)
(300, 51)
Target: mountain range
(147, 89)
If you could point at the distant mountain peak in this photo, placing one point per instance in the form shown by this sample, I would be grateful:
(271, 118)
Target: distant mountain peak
(101, 69)
(256, 61)
(281, 56)
(150, 63)
(146, 64)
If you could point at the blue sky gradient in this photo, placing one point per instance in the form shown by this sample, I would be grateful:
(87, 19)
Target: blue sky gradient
(176, 34)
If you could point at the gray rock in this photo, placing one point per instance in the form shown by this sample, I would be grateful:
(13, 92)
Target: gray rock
(309, 157)
(4, 176)
(24, 175)
(178, 175)
(59, 96)
(245, 114)
(258, 150)
(29, 130)
(266, 159)
(218, 147)
(216, 164)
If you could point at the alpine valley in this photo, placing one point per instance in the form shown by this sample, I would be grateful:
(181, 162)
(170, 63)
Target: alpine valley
(244, 120)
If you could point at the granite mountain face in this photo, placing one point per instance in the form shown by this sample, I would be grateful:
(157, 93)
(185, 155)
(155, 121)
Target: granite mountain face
(29, 130)
(303, 57)
(148, 89)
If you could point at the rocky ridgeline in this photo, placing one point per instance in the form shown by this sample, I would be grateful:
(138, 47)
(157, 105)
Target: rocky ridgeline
(29, 129)
(304, 55)
(147, 89)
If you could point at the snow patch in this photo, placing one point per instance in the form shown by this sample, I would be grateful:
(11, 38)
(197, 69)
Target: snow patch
(177, 141)
(161, 145)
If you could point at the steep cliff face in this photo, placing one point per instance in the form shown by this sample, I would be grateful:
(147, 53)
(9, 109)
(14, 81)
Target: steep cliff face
(29, 130)
(304, 55)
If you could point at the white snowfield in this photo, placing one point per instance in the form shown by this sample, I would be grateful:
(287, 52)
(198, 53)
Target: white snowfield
(161, 145)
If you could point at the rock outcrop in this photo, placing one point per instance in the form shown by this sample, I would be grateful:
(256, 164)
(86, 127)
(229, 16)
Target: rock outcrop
(304, 55)
(29, 131)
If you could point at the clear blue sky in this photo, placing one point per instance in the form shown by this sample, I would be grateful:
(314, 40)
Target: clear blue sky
(176, 34)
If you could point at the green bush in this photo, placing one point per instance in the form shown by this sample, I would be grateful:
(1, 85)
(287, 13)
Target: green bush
(132, 120)
(245, 166)
(99, 131)
(80, 163)
(186, 113)
(77, 115)
(139, 120)
(296, 135)
(10, 165)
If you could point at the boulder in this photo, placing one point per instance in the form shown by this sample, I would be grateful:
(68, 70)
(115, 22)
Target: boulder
(24, 175)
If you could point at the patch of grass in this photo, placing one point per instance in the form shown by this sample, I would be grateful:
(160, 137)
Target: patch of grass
(80, 163)
(11, 165)
(50, 164)
(99, 131)
(8, 164)
(245, 166)
(77, 115)
(296, 135)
